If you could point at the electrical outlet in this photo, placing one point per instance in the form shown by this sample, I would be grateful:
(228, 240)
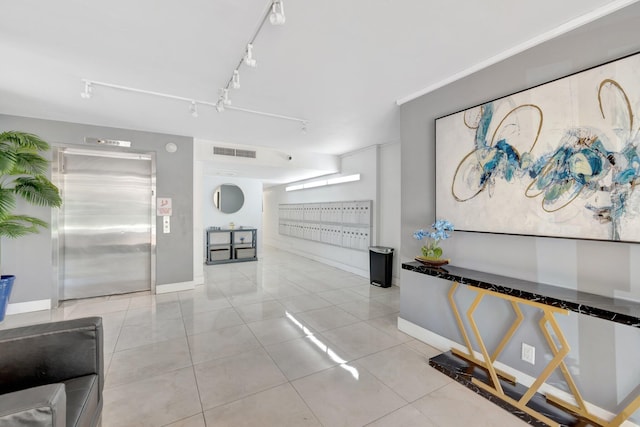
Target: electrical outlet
(529, 353)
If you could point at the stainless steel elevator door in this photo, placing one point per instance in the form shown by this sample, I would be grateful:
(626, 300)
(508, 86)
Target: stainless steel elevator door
(106, 223)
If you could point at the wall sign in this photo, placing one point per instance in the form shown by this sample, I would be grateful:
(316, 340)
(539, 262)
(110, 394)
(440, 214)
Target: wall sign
(163, 206)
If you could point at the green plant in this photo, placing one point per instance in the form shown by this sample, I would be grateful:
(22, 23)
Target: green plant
(23, 175)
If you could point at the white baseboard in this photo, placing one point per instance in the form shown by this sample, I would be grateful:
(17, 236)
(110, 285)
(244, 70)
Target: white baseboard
(434, 340)
(445, 344)
(198, 280)
(28, 306)
(175, 287)
(336, 264)
(327, 261)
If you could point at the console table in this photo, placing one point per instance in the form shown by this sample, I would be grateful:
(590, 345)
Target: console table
(230, 245)
(551, 301)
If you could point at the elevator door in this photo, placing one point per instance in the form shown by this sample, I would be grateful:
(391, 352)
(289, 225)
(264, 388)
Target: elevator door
(105, 227)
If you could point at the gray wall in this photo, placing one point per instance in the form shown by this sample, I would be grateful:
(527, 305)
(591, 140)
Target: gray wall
(605, 268)
(30, 259)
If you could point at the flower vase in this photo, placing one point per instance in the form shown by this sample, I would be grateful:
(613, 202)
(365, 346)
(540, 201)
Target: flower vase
(431, 256)
(432, 261)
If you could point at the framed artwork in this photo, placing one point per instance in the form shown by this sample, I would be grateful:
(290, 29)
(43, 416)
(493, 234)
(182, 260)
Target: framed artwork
(561, 159)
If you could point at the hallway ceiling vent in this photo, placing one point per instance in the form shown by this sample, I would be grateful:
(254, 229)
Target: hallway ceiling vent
(246, 153)
(225, 151)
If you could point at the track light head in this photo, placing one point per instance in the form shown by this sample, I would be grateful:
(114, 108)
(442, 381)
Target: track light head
(248, 57)
(224, 96)
(235, 80)
(193, 109)
(220, 106)
(87, 90)
(276, 17)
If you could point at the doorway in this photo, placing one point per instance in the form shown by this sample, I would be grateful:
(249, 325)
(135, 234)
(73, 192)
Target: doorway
(106, 237)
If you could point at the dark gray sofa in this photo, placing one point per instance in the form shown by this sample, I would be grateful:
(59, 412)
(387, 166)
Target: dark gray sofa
(52, 374)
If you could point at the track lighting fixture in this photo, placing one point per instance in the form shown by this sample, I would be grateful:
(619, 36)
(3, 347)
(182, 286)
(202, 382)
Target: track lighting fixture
(275, 12)
(248, 57)
(223, 99)
(219, 105)
(235, 80)
(193, 109)
(224, 96)
(276, 17)
(87, 90)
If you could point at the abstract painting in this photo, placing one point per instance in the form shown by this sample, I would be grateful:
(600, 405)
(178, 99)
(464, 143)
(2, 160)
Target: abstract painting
(561, 159)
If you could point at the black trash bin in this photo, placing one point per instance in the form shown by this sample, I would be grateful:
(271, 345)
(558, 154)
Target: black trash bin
(380, 265)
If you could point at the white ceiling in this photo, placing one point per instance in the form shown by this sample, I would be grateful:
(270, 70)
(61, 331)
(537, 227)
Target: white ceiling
(342, 65)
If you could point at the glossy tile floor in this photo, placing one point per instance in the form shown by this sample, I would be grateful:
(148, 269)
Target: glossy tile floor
(285, 341)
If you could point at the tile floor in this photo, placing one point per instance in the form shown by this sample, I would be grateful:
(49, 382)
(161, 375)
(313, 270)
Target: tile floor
(285, 341)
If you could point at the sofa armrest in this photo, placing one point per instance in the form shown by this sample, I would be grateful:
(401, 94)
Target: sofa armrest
(38, 406)
(49, 353)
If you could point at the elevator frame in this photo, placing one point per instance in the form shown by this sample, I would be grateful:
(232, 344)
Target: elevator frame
(58, 150)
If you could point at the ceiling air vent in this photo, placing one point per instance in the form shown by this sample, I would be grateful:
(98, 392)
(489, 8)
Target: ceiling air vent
(246, 153)
(224, 151)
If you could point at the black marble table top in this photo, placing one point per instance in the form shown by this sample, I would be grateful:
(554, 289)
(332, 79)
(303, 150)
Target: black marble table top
(613, 309)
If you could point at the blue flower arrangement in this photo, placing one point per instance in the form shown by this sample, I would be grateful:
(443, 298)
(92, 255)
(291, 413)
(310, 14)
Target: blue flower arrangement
(442, 230)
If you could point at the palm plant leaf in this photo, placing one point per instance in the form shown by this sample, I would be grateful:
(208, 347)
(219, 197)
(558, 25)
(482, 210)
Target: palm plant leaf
(7, 159)
(30, 163)
(22, 174)
(14, 226)
(7, 201)
(23, 140)
(38, 191)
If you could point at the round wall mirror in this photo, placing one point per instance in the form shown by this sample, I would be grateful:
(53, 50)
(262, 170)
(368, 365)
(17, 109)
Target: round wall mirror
(228, 198)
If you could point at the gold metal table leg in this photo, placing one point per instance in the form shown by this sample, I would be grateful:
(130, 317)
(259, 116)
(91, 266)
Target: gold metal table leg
(512, 330)
(497, 389)
(625, 413)
(470, 356)
(560, 351)
(581, 409)
(485, 354)
(463, 332)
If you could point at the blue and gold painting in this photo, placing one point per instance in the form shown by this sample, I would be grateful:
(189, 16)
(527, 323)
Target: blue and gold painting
(561, 159)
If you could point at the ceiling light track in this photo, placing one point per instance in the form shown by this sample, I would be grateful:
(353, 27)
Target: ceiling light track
(192, 103)
(274, 13)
